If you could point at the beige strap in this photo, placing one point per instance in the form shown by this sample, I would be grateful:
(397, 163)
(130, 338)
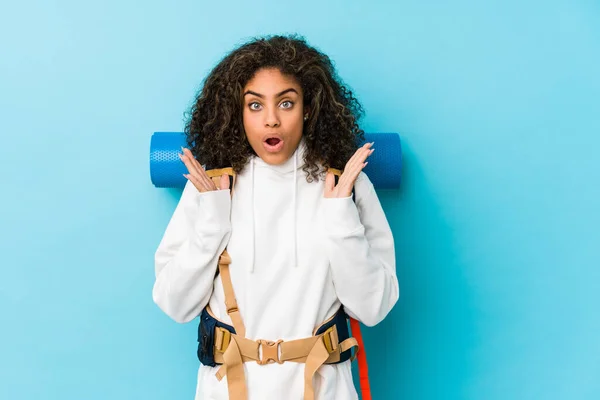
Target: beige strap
(335, 171)
(347, 345)
(212, 173)
(238, 351)
(230, 301)
(317, 357)
(224, 261)
(236, 380)
(298, 350)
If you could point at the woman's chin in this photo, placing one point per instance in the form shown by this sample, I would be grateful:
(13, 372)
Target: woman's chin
(274, 158)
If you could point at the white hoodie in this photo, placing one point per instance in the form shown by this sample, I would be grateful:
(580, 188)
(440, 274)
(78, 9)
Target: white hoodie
(295, 257)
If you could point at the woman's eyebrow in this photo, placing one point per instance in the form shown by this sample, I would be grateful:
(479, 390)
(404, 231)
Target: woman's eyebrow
(262, 96)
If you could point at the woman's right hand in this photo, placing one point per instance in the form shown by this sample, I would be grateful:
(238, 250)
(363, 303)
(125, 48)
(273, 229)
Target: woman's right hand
(198, 176)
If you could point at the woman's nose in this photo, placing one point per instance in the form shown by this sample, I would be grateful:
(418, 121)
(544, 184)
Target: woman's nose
(271, 119)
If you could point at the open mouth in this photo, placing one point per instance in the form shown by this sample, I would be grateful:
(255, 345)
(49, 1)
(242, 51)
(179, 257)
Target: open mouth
(273, 141)
(273, 144)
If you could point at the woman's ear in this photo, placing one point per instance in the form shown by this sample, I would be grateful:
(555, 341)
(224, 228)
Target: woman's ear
(306, 112)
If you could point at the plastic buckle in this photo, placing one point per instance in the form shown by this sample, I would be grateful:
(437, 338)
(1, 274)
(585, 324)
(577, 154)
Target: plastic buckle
(330, 339)
(270, 352)
(222, 339)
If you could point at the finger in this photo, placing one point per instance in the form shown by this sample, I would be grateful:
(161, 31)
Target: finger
(360, 159)
(196, 182)
(356, 163)
(351, 173)
(190, 161)
(195, 162)
(201, 184)
(224, 184)
(359, 163)
(196, 169)
(208, 181)
(188, 164)
(360, 155)
(344, 186)
(356, 154)
(365, 152)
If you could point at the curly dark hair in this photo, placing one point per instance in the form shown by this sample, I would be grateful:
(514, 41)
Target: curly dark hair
(214, 128)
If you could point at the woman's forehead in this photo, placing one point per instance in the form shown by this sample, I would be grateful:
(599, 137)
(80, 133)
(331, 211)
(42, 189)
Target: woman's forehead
(270, 82)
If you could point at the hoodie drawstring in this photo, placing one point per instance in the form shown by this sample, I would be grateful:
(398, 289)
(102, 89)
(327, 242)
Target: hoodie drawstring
(253, 216)
(294, 233)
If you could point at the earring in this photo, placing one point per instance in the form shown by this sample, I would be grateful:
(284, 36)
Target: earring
(305, 117)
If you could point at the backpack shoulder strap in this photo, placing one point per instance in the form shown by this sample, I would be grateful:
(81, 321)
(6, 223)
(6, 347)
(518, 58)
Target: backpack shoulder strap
(225, 260)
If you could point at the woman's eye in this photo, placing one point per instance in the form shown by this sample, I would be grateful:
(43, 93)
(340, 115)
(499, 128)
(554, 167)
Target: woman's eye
(287, 104)
(254, 106)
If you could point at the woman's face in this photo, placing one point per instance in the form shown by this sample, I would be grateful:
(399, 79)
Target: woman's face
(273, 115)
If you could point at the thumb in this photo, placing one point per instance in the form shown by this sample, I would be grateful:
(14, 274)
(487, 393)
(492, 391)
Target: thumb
(329, 182)
(224, 184)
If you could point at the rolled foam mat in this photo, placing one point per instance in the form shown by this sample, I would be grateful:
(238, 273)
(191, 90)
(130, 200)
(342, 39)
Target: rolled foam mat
(166, 169)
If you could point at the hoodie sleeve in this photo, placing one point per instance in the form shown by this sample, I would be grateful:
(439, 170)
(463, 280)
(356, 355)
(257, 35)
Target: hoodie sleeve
(187, 257)
(361, 253)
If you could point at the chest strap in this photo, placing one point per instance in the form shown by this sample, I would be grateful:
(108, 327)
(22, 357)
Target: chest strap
(232, 351)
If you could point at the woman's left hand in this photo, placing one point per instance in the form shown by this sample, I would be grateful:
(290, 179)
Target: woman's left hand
(348, 177)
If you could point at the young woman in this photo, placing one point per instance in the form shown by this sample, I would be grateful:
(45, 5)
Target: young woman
(298, 247)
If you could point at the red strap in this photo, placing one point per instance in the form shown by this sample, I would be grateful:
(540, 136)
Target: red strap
(363, 370)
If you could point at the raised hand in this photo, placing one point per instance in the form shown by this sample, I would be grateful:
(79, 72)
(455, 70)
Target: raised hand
(197, 175)
(348, 177)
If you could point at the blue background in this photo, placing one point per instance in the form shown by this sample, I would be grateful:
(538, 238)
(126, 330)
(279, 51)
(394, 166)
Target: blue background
(498, 106)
